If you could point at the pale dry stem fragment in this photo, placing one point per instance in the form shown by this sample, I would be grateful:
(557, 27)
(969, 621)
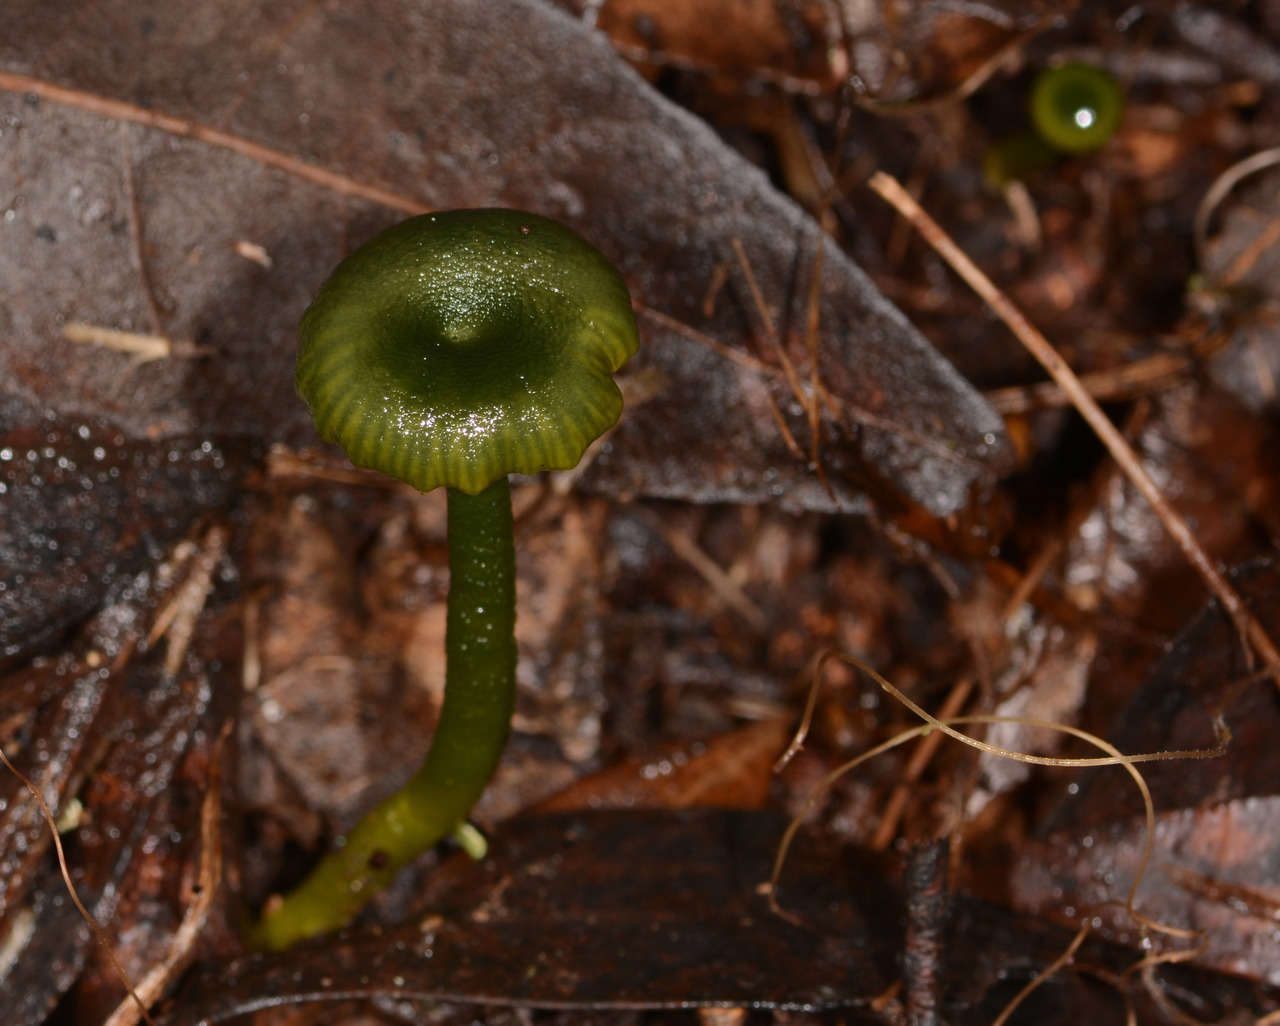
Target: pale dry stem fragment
(1154, 373)
(177, 618)
(145, 347)
(1026, 219)
(254, 253)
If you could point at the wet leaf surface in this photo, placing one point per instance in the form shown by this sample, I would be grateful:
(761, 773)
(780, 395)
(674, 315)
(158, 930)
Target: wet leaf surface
(1242, 290)
(1199, 680)
(480, 116)
(660, 910)
(1214, 871)
(995, 954)
(1217, 861)
(132, 743)
(644, 910)
(84, 507)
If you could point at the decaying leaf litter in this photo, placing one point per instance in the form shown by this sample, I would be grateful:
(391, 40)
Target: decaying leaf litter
(676, 593)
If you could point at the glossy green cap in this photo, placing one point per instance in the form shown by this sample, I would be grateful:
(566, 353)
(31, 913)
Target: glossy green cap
(1076, 107)
(456, 348)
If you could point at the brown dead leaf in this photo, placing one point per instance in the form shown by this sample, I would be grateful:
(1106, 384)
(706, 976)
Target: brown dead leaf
(795, 44)
(598, 910)
(133, 745)
(730, 771)
(1216, 863)
(84, 507)
(1216, 869)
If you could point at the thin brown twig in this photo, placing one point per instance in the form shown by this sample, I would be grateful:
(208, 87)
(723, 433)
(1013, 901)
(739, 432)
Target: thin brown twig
(728, 352)
(182, 946)
(1149, 374)
(811, 673)
(839, 408)
(119, 110)
(1251, 631)
(1221, 188)
(1238, 899)
(916, 765)
(1247, 257)
(814, 404)
(92, 923)
(719, 276)
(284, 463)
(1051, 969)
(135, 231)
(895, 249)
(728, 590)
(784, 430)
(770, 329)
(784, 359)
(1035, 573)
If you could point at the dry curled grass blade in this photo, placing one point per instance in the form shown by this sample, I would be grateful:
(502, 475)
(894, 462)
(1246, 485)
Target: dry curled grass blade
(1114, 757)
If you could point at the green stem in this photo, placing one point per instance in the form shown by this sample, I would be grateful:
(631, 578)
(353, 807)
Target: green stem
(1017, 158)
(469, 738)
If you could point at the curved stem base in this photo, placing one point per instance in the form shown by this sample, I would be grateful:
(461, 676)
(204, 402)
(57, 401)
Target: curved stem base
(469, 738)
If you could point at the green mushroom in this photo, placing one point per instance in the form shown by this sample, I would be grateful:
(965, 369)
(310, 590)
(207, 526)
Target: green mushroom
(454, 349)
(1075, 108)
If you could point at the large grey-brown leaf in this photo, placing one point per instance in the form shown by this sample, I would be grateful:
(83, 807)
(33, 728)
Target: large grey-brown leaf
(163, 167)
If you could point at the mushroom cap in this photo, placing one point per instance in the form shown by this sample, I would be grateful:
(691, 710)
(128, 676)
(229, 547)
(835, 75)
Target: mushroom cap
(458, 347)
(1076, 107)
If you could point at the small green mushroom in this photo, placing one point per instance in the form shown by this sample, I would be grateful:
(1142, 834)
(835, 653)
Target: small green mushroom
(1076, 107)
(454, 349)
